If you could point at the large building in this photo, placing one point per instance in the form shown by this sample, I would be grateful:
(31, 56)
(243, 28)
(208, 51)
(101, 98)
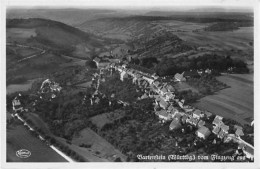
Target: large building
(203, 132)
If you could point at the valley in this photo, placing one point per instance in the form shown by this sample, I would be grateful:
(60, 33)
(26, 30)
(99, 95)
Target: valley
(107, 85)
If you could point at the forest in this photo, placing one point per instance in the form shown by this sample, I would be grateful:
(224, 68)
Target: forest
(169, 66)
(227, 26)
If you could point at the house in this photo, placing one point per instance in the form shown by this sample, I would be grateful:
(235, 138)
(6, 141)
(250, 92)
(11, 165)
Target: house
(197, 114)
(156, 83)
(194, 121)
(221, 134)
(123, 75)
(208, 114)
(17, 105)
(163, 104)
(174, 125)
(177, 116)
(162, 114)
(112, 95)
(155, 76)
(97, 100)
(252, 123)
(200, 71)
(124, 66)
(180, 103)
(208, 71)
(134, 80)
(145, 84)
(217, 120)
(203, 132)
(187, 109)
(170, 108)
(97, 60)
(239, 133)
(201, 123)
(170, 88)
(216, 130)
(131, 72)
(139, 81)
(227, 139)
(224, 128)
(157, 99)
(163, 90)
(149, 80)
(249, 152)
(144, 96)
(184, 119)
(179, 77)
(156, 108)
(169, 96)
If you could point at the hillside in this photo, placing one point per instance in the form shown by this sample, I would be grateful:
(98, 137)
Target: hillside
(68, 16)
(54, 36)
(36, 48)
(128, 27)
(117, 28)
(159, 45)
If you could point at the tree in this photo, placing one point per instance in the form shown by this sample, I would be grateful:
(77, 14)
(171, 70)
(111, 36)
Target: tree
(118, 159)
(91, 64)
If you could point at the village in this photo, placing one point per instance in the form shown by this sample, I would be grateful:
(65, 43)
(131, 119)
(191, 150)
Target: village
(169, 108)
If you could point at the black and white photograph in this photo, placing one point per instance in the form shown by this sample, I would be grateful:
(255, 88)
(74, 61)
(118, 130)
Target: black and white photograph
(157, 82)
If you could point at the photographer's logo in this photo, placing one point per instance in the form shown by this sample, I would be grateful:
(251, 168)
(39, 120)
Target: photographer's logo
(23, 153)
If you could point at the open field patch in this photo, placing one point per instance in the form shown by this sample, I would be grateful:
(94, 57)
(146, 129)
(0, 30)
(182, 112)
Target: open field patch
(12, 88)
(103, 148)
(25, 52)
(102, 119)
(235, 41)
(236, 102)
(182, 86)
(85, 85)
(20, 33)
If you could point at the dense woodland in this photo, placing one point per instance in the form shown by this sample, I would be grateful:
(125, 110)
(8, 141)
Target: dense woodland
(217, 63)
(124, 91)
(227, 26)
(196, 17)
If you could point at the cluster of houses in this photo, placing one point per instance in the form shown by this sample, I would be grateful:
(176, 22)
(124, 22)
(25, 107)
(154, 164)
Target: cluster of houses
(105, 62)
(17, 106)
(50, 86)
(189, 74)
(165, 102)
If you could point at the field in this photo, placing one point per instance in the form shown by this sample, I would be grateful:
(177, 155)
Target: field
(102, 119)
(236, 102)
(236, 42)
(98, 144)
(22, 52)
(85, 85)
(34, 67)
(19, 34)
(179, 25)
(12, 88)
(100, 151)
(182, 86)
(19, 138)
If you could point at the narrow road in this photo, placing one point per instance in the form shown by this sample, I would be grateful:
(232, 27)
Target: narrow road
(29, 57)
(30, 47)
